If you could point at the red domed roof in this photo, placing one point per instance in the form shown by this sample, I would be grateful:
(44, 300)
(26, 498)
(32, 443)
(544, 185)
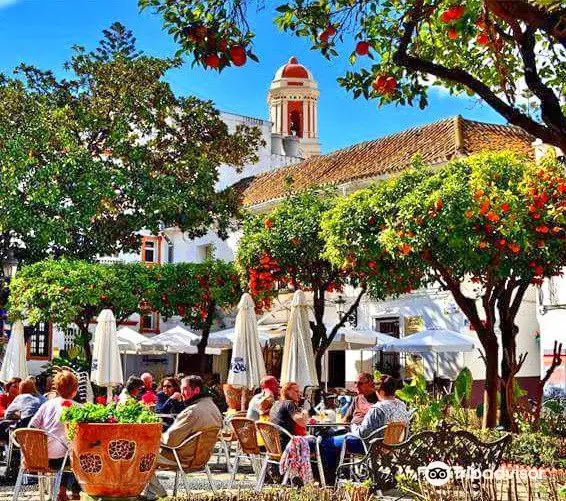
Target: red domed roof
(294, 70)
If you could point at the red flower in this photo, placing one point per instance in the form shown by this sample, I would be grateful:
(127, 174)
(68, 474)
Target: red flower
(66, 403)
(149, 397)
(505, 207)
(100, 400)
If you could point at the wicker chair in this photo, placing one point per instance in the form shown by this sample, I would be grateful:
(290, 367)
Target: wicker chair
(35, 460)
(394, 432)
(226, 438)
(245, 431)
(271, 434)
(190, 456)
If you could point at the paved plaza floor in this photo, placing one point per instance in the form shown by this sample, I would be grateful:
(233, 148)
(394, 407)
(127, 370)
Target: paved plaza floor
(197, 482)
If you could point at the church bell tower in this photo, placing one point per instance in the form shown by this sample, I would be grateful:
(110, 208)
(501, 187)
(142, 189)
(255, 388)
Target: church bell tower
(293, 111)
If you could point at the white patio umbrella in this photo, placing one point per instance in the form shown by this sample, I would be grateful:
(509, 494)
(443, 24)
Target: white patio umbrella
(14, 363)
(432, 341)
(129, 340)
(106, 364)
(225, 337)
(298, 358)
(247, 366)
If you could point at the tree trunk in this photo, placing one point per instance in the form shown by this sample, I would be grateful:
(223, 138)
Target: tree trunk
(85, 337)
(210, 312)
(509, 348)
(491, 386)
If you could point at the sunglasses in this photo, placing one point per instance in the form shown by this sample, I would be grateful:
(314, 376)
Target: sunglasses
(167, 386)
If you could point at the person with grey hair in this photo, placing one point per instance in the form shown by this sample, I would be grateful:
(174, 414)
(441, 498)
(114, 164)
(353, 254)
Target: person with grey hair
(200, 412)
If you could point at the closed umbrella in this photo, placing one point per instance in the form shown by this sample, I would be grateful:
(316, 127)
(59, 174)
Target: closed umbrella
(14, 363)
(106, 365)
(298, 357)
(247, 366)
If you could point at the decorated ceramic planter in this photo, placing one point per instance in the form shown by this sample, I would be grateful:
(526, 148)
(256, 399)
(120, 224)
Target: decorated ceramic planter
(114, 460)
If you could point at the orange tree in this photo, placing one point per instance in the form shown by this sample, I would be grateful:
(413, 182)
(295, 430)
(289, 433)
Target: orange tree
(197, 292)
(74, 292)
(496, 220)
(511, 54)
(285, 247)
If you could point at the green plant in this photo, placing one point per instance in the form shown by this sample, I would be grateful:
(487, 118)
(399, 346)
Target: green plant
(130, 412)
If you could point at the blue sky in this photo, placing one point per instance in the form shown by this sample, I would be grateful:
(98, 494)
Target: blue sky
(42, 32)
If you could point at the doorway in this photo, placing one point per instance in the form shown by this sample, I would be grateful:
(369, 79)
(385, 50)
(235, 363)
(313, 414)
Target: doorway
(388, 363)
(336, 369)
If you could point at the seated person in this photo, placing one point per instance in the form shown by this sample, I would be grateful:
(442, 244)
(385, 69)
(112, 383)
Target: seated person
(361, 403)
(133, 386)
(169, 398)
(260, 404)
(199, 413)
(11, 390)
(288, 413)
(48, 418)
(26, 404)
(387, 409)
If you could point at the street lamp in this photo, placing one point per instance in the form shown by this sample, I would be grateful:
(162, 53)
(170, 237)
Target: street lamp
(9, 265)
(340, 302)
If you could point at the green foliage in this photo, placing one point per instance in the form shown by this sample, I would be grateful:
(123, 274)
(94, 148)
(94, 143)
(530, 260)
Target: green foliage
(197, 292)
(89, 160)
(534, 449)
(286, 244)
(471, 47)
(130, 412)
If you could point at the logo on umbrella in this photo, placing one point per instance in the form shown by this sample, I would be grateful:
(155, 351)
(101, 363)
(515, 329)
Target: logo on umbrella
(238, 365)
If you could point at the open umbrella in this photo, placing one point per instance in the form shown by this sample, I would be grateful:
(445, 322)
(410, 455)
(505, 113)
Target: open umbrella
(14, 363)
(247, 366)
(129, 340)
(298, 358)
(432, 341)
(106, 367)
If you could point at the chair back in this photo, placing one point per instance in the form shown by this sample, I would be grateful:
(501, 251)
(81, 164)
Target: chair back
(395, 432)
(195, 454)
(271, 437)
(246, 433)
(33, 444)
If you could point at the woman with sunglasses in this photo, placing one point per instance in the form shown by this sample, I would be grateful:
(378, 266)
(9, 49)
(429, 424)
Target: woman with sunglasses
(169, 398)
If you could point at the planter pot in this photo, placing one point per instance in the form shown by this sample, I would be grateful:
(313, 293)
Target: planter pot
(115, 460)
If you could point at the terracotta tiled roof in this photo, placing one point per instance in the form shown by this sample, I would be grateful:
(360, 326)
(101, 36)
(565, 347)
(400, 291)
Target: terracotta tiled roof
(436, 143)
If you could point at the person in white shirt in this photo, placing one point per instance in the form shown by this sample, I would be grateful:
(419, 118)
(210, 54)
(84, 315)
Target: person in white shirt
(48, 418)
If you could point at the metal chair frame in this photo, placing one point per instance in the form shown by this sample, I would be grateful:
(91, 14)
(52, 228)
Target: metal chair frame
(253, 455)
(366, 443)
(55, 475)
(180, 468)
(267, 460)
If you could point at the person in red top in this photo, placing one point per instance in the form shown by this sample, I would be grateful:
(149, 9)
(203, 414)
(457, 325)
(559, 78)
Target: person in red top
(11, 391)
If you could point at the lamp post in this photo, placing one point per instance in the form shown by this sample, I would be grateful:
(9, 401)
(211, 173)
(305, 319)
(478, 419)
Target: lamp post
(9, 266)
(340, 302)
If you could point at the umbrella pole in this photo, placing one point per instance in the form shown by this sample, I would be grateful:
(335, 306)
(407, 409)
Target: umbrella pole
(109, 394)
(176, 365)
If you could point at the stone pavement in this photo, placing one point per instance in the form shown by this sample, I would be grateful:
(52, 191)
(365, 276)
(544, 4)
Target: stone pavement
(197, 482)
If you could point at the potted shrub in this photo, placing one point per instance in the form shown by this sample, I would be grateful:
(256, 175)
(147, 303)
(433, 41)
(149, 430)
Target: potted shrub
(113, 448)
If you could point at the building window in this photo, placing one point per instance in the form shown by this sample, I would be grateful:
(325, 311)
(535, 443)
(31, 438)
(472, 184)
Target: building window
(70, 338)
(149, 322)
(205, 252)
(39, 340)
(150, 250)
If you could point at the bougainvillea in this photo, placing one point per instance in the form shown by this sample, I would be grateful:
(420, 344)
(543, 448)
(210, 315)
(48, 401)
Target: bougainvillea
(495, 220)
(284, 249)
(508, 53)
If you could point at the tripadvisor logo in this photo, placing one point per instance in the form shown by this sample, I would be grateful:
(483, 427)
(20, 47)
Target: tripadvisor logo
(439, 473)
